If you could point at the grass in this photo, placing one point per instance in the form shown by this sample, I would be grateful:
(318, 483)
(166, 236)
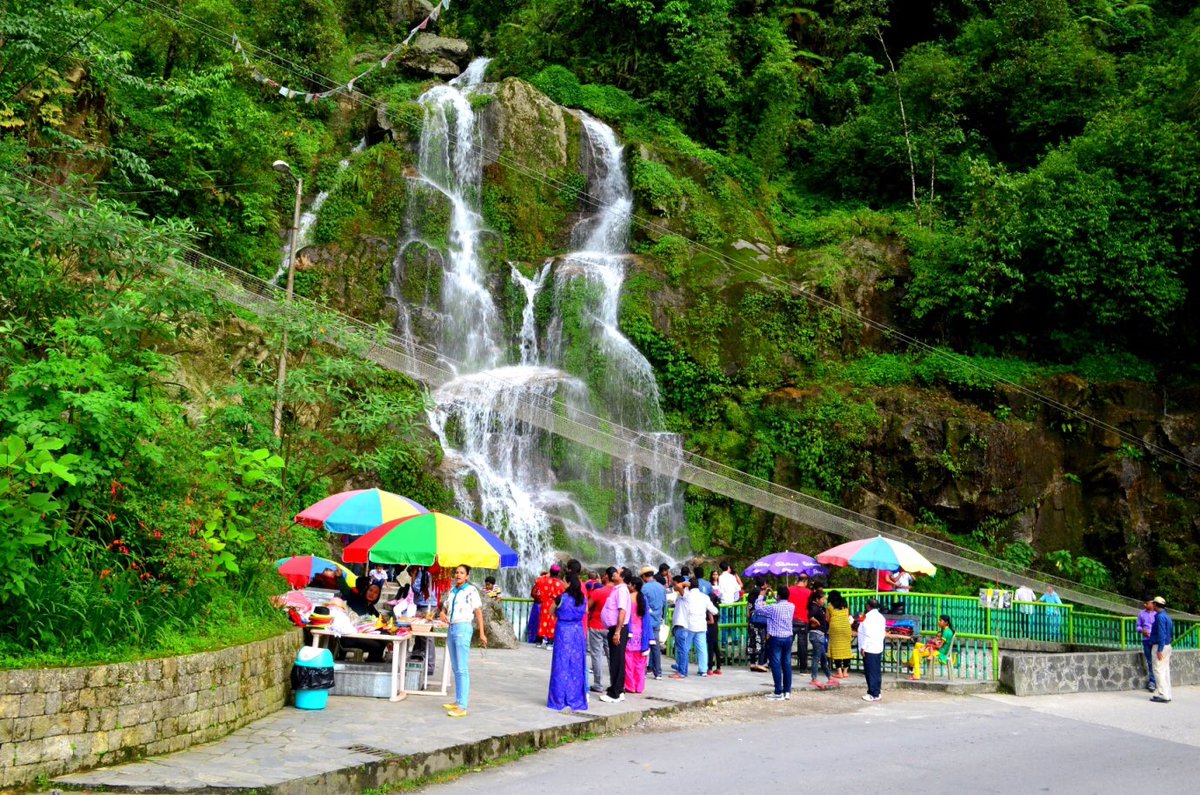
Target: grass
(247, 629)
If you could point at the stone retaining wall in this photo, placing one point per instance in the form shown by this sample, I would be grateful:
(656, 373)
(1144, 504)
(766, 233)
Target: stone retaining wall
(56, 720)
(1029, 674)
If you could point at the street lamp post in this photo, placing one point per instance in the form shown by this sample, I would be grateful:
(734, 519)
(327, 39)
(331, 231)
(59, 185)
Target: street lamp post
(283, 167)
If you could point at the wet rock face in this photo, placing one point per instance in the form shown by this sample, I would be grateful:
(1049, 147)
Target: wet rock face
(1037, 474)
(527, 125)
(436, 56)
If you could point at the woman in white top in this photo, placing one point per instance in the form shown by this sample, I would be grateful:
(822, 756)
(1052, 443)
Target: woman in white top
(462, 607)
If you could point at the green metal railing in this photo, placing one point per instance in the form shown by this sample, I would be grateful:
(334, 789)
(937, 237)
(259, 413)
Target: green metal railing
(978, 629)
(1037, 621)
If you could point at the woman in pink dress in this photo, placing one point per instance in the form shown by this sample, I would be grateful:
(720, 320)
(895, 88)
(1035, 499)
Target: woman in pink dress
(638, 650)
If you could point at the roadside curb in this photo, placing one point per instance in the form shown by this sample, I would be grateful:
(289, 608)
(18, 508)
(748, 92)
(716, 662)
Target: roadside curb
(394, 769)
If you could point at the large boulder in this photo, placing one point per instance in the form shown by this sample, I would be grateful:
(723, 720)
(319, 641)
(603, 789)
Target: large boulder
(456, 51)
(500, 632)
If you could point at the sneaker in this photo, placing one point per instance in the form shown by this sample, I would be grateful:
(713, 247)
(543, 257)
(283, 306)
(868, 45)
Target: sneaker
(596, 689)
(715, 673)
(774, 696)
(607, 699)
(701, 674)
(658, 676)
(869, 697)
(1160, 700)
(678, 676)
(457, 712)
(787, 696)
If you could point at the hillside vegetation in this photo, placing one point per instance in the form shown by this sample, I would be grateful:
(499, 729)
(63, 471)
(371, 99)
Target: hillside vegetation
(1014, 180)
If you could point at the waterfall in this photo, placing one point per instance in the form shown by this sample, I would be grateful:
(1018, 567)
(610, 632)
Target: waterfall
(527, 340)
(308, 219)
(539, 493)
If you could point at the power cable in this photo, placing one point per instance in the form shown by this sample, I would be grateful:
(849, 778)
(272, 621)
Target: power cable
(814, 511)
(54, 58)
(745, 268)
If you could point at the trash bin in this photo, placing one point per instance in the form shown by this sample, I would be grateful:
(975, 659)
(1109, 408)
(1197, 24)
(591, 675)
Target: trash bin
(312, 677)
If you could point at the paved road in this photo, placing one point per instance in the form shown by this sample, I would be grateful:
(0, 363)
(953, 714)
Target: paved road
(1000, 744)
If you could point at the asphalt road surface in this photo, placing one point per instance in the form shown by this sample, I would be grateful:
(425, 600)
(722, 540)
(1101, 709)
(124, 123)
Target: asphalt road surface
(1102, 743)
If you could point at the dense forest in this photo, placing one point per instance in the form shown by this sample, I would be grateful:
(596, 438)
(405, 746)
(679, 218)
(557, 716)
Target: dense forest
(1017, 181)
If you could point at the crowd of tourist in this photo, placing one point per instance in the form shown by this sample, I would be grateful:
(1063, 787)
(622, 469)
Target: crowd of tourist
(606, 630)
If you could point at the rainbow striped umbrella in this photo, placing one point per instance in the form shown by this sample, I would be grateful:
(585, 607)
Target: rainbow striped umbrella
(878, 553)
(432, 537)
(299, 569)
(355, 512)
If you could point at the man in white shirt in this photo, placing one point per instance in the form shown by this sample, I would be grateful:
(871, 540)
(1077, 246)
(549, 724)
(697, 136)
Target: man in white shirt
(1025, 594)
(729, 586)
(679, 628)
(699, 607)
(871, 631)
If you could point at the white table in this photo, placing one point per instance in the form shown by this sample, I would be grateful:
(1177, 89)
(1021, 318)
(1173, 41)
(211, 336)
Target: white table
(400, 648)
(400, 644)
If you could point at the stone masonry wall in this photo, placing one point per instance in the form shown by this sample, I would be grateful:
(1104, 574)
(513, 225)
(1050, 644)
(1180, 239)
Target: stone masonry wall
(56, 720)
(1088, 672)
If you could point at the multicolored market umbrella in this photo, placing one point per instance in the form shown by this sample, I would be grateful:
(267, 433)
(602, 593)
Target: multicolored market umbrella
(356, 512)
(878, 553)
(785, 564)
(299, 569)
(432, 537)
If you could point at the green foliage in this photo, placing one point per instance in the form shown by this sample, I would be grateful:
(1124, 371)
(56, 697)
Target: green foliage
(823, 439)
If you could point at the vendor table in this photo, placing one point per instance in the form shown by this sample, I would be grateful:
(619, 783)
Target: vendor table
(400, 648)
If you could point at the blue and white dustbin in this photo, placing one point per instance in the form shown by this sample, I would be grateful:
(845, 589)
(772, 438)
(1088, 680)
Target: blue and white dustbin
(312, 677)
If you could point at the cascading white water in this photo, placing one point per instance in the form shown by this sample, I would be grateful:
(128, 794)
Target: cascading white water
(528, 342)
(503, 471)
(308, 219)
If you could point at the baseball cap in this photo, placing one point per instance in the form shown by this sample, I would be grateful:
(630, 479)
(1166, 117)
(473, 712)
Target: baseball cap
(1158, 600)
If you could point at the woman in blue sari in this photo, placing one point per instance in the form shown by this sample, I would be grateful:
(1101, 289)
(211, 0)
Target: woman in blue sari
(569, 666)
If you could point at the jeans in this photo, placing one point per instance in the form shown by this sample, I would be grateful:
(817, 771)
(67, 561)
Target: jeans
(683, 646)
(616, 660)
(779, 652)
(1148, 650)
(820, 644)
(598, 657)
(873, 668)
(700, 644)
(654, 665)
(800, 633)
(458, 641)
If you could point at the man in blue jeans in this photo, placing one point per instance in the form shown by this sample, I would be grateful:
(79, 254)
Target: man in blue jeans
(655, 595)
(679, 628)
(779, 640)
(1145, 623)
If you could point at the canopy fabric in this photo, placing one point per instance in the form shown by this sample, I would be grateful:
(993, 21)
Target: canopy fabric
(299, 569)
(785, 564)
(878, 553)
(430, 538)
(358, 511)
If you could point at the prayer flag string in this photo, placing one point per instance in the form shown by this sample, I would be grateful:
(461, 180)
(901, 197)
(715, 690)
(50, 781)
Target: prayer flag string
(348, 87)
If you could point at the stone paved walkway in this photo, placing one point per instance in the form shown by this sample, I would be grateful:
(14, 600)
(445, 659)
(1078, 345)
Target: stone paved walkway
(357, 743)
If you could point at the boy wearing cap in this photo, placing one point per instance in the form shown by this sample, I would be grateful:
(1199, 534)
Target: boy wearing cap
(1161, 634)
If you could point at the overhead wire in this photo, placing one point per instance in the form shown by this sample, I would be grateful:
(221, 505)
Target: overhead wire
(616, 434)
(57, 57)
(648, 225)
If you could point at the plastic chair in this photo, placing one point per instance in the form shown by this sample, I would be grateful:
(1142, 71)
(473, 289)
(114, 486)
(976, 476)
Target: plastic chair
(950, 663)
